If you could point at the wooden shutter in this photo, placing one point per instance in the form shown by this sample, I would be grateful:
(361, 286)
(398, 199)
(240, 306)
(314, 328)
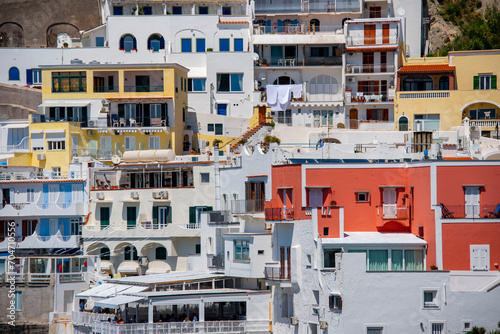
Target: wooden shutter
(369, 33)
(25, 228)
(476, 82)
(369, 114)
(34, 223)
(288, 263)
(339, 304)
(385, 33)
(386, 114)
(493, 82)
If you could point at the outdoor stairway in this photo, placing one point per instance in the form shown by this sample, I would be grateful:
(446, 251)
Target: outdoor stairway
(248, 135)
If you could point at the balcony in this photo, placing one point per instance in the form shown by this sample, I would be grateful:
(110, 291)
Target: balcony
(485, 123)
(279, 214)
(113, 121)
(202, 327)
(22, 147)
(372, 40)
(275, 272)
(41, 209)
(371, 125)
(370, 68)
(479, 211)
(332, 6)
(392, 211)
(247, 206)
(86, 318)
(355, 97)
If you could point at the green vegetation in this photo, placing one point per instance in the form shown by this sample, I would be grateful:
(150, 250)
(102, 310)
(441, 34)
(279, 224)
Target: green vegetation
(477, 31)
(272, 139)
(481, 330)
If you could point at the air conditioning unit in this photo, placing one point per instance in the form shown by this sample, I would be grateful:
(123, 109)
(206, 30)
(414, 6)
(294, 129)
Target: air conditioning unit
(351, 80)
(134, 194)
(144, 261)
(105, 102)
(294, 321)
(99, 195)
(474, 128)
(93, 123)
(40, 156)
(323, 325)
(104, 109)
(90, 132)
(156, 194)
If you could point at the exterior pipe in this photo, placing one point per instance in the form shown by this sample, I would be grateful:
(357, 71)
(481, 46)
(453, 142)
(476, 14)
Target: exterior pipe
(217, 177)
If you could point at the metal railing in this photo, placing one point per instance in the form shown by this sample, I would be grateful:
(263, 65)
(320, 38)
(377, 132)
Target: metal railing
(39, 278)
(87, 318)
(190, 226)
(153, 226)
(295, 28)
(471, 211)
(392, 211)
(144, 88)
(279, 214)
(71, 277)
(371, 68)
(247, 206)
(106, 89)
(336, 6)
(277, 273)
(219, 217)
(235, 326)
(34, 176)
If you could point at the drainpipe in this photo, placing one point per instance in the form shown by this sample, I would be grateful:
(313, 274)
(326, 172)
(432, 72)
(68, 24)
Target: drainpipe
(217, 177)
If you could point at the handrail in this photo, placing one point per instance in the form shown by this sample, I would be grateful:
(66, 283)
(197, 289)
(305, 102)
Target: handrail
(25, 142)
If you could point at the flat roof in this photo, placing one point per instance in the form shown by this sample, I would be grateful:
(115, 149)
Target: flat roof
(168, 278)
(121, 66)
(197, 292)
(375, 238)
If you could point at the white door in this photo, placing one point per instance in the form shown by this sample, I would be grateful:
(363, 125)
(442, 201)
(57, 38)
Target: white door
(53, 191)
(390, 203)
(154, 142)
(471, 202)
(77, 193)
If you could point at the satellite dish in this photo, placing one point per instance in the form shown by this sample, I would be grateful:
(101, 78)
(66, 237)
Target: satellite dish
(115, 159)
(255, 56)
(401, 11)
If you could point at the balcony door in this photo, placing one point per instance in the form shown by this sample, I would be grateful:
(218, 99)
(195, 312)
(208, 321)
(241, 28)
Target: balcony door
(471, 202)
(390, 203)
(254, 195)
(353, 119)
(276, 54)
(370, 33)
(142, 83)
(368, 62)
(385, 33)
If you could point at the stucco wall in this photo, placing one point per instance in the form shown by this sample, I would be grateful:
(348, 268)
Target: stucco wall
(18, 102)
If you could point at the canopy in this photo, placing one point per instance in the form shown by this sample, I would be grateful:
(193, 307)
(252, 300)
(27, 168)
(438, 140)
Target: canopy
(104, 290)
(115, 302)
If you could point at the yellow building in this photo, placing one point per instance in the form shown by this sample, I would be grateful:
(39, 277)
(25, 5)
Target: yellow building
(438, 93)
(101, 110)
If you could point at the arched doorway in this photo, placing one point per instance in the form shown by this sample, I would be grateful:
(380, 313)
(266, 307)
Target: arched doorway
(60, 28)
(403, 123)
(11, 35)
(284, 80)
(314, 24)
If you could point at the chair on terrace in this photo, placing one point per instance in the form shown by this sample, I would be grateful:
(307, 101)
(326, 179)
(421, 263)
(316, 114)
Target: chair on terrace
(496, 213)
(445, 212)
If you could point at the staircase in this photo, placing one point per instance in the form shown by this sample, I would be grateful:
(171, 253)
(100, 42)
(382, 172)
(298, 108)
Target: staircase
(249, 135)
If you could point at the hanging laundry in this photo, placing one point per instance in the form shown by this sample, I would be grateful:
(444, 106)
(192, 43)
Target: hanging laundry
(279, 96)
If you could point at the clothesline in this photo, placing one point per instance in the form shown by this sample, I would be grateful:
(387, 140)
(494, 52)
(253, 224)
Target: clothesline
(279, 96)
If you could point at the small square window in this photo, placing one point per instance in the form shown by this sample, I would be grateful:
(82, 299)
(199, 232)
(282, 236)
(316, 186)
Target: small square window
(147, 10)
(335, 302)
(205, 177)
(203, 10)
(329, 258)
(226, 10)
(260, 252)
(117, 10)
(362, 196)
(177, 10)
(325, 231)
(430, 299)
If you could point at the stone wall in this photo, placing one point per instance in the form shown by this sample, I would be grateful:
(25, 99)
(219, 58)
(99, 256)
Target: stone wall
(34, 23)
(18, 102)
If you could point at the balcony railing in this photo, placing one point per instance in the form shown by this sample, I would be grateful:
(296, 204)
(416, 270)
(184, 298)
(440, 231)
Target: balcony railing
(71, 277)
(153, 226)
(202, 327)
(191, 226)
(424, 95)
(87, 318)
(276, 272)
(24, 145)
(369, 40)
(219, 217)
(144, 88)
(392, 211)
(371, 68)
(471, 211)
(34, 176)
(295, 29)
(119, 122)
(279, 214)
(106, 89)
(335, 6)
(247, 206)
(485, 123)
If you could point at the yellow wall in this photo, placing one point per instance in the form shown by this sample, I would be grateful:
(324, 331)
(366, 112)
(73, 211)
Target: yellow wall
(467, 65)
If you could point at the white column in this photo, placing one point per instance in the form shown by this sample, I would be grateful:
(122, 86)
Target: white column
(201, 307)
(150, 311)
(341, 222)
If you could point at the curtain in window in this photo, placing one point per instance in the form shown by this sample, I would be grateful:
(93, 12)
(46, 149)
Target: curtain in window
(397, 260)
(378, 260)
(414, 260)
(223, 82)
(236, 82)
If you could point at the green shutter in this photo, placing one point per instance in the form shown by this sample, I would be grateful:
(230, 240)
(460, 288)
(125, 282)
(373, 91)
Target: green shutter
(210, 208)
(493, 82)
(476, 82)
(192, 215)
(169, 214)
(104, 217)
(155, 215)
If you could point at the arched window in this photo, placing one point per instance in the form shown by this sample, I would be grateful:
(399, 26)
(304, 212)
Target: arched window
(131, 253)
(128, 43)
(14, 74)
(314, 23)
(287, 23)
(105, 254)
(417, 83)
(260, 23)
(284, 80)
(161, 253)
(444, 83)
(156, 43)
(403, 123)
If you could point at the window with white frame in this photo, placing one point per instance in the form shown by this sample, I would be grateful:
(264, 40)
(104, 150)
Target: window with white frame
(362, 196)
(205, 177)
(56, 171)
(18, 305)
(241, 250)
(56, 141)
(129, 143)
(430, 298)
(154, 142)
(285, 117)
(374, 330)
(479, 257)
(229, 82)
(335, 302)
(485, 81)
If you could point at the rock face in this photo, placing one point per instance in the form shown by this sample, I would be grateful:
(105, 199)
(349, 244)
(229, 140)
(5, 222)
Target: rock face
(441, 32)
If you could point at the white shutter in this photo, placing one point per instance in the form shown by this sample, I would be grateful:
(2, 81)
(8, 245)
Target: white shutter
(154, 142)
(129, 143)
(390, 203)
(37, 141)
(471, 202)
(479, 257)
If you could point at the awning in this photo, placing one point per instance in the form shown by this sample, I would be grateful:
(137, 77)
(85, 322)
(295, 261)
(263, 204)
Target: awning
(128, 267)
(375, 239)
(104, 290)
(6, 156)
(65, 103)
(139, 99)
(16, 126)
(115, 302)
(134, 289)
(317, 104)
(95, 290)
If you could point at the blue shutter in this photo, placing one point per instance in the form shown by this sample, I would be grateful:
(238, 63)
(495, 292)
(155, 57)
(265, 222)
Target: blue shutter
(200, 45)
(280, 26)
(268, 26)
(29, 76)
(162, 43)
(238, 44)
(295, 22)
(122, 44)
(222, 109)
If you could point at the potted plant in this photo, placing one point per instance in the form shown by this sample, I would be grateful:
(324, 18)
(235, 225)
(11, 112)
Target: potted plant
(65, 45)
(217, 142)
(210, 49)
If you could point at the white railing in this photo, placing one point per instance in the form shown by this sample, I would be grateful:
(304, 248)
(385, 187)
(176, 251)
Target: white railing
(392, 211)
(309, 211)
(71, 277)
(490, 123)
(34, 176)
(236, 326)
(190, 226)
(87, 318)
(375, 68)
(292, 29)
(153, 226)
(425, 95)
(39, 278)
